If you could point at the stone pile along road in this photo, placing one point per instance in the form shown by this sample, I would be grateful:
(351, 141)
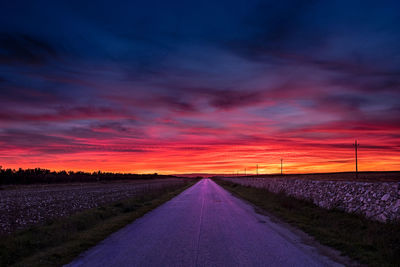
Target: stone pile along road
(204, 226)
(375, 200)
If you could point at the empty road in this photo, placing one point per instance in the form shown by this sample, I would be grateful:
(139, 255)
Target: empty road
(203, 226)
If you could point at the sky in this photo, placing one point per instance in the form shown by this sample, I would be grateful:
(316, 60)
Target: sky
(200, 86)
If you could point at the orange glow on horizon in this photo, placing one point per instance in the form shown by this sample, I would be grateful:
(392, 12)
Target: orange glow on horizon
(215, 159)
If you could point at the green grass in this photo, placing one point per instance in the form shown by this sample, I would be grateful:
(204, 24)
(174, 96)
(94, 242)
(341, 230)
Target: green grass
(59, 241)
(366, 241)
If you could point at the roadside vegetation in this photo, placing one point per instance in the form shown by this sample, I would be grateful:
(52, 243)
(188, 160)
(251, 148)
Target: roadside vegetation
(368, 242)
(59, 241)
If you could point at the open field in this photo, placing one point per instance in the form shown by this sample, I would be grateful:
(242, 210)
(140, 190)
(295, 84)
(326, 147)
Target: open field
(60, 240)
(22, 206)
(381, 176)
(369, 242)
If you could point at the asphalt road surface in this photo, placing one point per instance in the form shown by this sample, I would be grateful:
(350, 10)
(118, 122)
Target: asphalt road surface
(203, 226)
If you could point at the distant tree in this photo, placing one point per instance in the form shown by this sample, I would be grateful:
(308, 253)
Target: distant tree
(38, 175)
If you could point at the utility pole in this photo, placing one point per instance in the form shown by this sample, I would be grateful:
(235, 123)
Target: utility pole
(257, 169)
(244, 171)
(281, 167)
(356, 145)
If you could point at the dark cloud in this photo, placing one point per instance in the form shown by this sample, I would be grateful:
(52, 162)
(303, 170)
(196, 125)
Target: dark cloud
(63, 114)
(222, 99)
(38, 142)
(26, 96)
(111, 125)
(23, 48)
(349, 104)
(276, 26)
(175, 104)
(31, 139)
(228, 99)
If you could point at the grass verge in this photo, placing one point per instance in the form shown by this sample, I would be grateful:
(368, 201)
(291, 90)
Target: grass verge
(368, 242)
(59, 241)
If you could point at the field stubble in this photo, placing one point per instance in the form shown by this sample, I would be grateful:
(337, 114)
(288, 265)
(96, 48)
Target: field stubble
(23, 206)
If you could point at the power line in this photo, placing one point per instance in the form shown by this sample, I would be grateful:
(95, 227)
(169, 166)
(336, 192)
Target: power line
(356, 145)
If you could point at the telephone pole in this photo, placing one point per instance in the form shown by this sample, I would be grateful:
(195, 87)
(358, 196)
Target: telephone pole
(244, 171)
(257, 169)
(356, 145)
(281, 167)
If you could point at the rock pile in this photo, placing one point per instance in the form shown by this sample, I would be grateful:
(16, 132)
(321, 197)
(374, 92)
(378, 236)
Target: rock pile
(378, 200)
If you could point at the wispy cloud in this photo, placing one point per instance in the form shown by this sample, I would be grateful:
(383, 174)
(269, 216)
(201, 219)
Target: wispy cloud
(183, 87)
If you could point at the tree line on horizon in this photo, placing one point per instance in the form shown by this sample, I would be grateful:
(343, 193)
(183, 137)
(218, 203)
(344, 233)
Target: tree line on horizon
(38, 175)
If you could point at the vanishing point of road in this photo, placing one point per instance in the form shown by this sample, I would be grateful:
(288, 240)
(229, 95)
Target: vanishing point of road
(203, 226)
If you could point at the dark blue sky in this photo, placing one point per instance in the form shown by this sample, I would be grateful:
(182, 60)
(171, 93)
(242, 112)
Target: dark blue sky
(115, 81)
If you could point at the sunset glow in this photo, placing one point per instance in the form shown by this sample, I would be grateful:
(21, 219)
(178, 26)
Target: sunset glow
(187, 94)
